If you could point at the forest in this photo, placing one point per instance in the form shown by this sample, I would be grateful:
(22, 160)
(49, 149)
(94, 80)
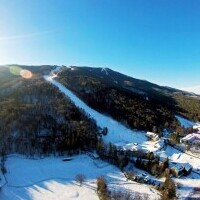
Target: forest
(35, 118)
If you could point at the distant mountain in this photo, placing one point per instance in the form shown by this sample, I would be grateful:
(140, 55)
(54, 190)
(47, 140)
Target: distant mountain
(136, 85)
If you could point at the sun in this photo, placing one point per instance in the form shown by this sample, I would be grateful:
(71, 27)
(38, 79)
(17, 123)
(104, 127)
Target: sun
(26, 74)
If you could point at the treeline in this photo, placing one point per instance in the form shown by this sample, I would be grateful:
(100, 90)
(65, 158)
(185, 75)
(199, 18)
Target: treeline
(111, 154)
(152, 165)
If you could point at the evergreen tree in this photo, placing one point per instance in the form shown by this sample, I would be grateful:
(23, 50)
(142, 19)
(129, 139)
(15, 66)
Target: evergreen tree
(169, 191)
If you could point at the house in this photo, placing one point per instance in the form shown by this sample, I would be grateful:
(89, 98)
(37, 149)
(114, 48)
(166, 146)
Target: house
(93, 155)
(195, 149)
(152, 136)
(193, 138)
(187, 168)
(197, 126)
(146, 179)
(179, 169)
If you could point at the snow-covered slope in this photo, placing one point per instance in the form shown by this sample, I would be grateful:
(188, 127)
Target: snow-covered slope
(185, 122)
(117, 133)
(52, 179)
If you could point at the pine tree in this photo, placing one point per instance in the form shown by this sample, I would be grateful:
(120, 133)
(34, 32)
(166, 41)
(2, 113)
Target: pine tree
(169, 191)
(102, 188)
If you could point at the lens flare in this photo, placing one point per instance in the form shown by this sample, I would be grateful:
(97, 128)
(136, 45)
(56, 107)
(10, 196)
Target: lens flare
(15, 70)
(18, 71)
(26, 74)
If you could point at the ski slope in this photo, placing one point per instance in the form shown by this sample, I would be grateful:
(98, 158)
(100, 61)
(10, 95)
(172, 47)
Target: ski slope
(185, 122)
(117, 133)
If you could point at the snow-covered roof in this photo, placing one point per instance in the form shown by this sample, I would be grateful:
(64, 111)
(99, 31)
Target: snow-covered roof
(181, 166)
(150, 134)
(175, 156)
(178, 167)
(196, 141)
(93, 155)
(187, 166)
(196, 126)
(191, 137)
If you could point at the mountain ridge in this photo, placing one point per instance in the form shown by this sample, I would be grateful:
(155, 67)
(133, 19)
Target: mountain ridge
(172, 89)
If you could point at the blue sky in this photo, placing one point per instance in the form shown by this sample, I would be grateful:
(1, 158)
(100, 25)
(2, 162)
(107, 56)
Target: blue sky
(155, 40)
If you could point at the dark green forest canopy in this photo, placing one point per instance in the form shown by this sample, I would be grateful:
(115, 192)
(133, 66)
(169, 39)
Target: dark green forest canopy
(32, 107)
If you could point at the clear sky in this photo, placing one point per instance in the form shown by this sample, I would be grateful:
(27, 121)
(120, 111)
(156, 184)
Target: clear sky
(155, 40)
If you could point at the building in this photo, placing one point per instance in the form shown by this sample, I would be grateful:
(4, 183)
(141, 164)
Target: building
(193, 138)
(187, 168)
(179, 169)
(152, 136)
(197, 127)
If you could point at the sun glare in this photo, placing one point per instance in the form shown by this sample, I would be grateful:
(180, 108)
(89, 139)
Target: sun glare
(26, 74)
(18, 71)
(15, 70)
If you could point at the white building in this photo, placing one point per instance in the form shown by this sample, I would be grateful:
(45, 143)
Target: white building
(152, 136)
(197, 126)
(193, 138)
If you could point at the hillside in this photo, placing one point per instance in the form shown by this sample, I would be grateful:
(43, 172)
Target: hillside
(32, 120)
(137, 103)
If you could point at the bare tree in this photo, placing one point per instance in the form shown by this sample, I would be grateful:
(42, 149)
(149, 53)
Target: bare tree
(80, 178)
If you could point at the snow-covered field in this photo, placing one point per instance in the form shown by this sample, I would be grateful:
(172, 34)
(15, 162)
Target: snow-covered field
(51, 178)
(117, 133)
